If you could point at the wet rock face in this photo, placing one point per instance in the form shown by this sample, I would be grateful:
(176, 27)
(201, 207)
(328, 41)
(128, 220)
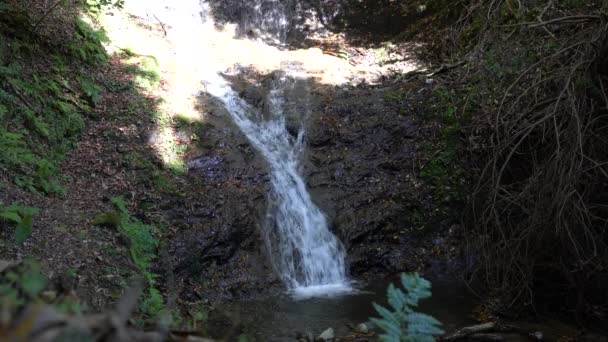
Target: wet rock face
(361, 170)
(217, 243)
(289, 25)
(360, 167)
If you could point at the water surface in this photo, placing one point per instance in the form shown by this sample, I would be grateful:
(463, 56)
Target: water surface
(282, 317)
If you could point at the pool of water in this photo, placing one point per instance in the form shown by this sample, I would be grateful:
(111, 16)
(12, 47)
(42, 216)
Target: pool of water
(282, 317)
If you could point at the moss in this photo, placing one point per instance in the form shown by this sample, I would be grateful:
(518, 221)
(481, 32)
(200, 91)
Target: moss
(184, 123)
(143, 246)
(146, 71)
(443, 172)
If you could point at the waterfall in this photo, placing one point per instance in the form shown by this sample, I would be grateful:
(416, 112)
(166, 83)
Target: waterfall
(306, 255)
(309, 258)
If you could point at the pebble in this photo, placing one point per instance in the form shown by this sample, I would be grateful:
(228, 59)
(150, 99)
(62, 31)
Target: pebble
(327, 335)
(362, 328)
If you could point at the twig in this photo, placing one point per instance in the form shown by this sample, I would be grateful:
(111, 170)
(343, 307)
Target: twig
(22, 98)
(467, 331)
(46, 14)
(572, 18)
(446, 67)
(161, 24)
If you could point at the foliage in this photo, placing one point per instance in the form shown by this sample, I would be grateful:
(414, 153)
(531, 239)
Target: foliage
(443, 172)
(22, 217)
(445, 175)
(91, 90)
(97, 6)
(32, 281)
(42, 179)
(142, 249)
(37, 174)
(152, 303)
(402, 323)
(14, 152)
(20, 283)
(88, 44)
(40, 109)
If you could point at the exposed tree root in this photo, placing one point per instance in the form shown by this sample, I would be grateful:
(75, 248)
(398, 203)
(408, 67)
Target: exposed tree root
(539, 210)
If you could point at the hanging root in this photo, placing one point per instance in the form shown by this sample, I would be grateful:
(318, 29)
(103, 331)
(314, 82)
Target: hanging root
(539, 211)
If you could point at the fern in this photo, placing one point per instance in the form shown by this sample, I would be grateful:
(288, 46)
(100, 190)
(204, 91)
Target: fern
(44, 178)
(88, 44)
(14, 151)
(9, 70)
(143, 244)
(22, 217)
(3, 111)
(38, 174)
(402, 323)
(41, 113)
(91, 91)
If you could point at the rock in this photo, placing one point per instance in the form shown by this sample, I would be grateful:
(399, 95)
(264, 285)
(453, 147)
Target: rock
(327, 335)
(293, 129)
(49, 296)
(362, 328)
(300, 337)
(6, 264)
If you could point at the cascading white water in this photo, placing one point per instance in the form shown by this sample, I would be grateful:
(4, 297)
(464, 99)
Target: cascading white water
(269, 19)
(308, 256)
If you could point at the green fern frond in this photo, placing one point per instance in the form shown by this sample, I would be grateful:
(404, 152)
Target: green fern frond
(22, 217)
(9, 70)
(14, 151)
(417, 288)
(91, 91)
(403, 323)
(420, 324)
(396, 298)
